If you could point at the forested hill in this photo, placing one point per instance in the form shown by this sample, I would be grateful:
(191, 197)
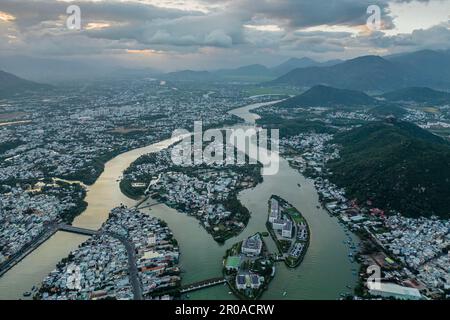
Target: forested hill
(324, 96)
(397, 166)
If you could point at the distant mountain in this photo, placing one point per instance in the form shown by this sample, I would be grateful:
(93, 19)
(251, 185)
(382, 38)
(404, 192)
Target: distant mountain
(426, 68)
(324, 96)
(363, 73)
(418, 95)
(190, 75)
(387, 110)
(253, 73)
(250, 70)
(55, 71)
(292, 64)
(296, 63)
(248, 73)
(397, 166)
(11, 85)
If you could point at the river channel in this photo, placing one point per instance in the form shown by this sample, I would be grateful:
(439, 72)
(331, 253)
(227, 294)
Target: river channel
(325, 272)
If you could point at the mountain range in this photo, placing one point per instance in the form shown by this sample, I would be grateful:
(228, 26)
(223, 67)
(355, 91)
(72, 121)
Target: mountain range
(421, 95)
(425, 68)
(11, 85)
(387, 104)
(324, 96)
(250, 73)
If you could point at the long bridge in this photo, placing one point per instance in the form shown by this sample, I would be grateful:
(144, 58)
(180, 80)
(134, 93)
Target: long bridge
(202, 284)
(51, 229)
(72, 229)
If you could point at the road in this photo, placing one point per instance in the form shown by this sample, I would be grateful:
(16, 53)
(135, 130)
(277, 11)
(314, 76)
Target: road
(27, 249)
(132, 267)
(54, 227)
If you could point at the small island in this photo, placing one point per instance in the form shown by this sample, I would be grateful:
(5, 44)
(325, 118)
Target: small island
(289, 230)
(248, 268)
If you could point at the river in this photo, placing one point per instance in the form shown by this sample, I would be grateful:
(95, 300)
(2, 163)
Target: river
(324, 273)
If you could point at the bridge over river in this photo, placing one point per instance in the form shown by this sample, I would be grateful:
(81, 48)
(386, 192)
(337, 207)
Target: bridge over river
(202, 284)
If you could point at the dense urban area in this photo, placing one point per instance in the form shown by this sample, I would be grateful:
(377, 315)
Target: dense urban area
(380, 166)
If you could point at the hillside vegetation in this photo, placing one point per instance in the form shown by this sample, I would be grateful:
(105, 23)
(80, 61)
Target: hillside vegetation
(397, 166)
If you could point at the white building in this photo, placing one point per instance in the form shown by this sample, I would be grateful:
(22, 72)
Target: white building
(252, 246)
(274, 211)
(286, 232)
(278, 224)
(392, 290)
(241, 283)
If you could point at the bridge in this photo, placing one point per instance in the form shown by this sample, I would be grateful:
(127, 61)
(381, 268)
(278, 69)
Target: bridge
(202, 284)
(72, 229)
(149, 206)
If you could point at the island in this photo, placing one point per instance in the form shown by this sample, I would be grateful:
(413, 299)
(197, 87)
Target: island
(248, 268)
(289, 229)
(207, 192)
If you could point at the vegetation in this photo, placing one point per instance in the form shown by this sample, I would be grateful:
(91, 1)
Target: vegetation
(295, 126)
(323, 96)
(397, 166)
(418, 95)
(388, 110)
(8, 145)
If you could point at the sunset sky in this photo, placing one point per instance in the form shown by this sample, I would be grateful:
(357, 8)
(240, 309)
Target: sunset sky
(208, 34)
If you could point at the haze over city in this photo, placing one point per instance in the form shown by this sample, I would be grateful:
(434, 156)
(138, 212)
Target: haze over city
(207, 150)
(204, 35)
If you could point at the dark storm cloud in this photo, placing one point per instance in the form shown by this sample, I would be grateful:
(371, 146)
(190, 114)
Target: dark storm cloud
(29, 13)
(39, 28)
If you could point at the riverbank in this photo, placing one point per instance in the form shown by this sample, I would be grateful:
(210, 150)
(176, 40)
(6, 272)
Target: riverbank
(289, 229)
(326, 254)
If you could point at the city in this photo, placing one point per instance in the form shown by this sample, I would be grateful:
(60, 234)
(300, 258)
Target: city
(98, 203)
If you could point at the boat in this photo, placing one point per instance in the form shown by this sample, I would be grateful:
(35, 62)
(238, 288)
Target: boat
(284, 294)
(27, 294)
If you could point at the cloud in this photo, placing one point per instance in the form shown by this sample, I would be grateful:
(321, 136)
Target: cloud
(216, 29)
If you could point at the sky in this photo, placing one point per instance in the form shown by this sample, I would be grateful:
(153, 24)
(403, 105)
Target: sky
(211, 34)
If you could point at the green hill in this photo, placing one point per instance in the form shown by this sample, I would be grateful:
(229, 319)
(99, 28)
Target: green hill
(11, 85)
(418, 95)
(384, 111)
(397, 165)
(323, 96)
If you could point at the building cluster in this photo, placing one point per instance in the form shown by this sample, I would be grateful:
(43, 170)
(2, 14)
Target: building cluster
(70, 135)
(100, 267)
(204, 195)
(280, 223)
(208, 191)
(25, 214)
(315, 149)
(289, 229)
(422, 244)
(248, 268)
